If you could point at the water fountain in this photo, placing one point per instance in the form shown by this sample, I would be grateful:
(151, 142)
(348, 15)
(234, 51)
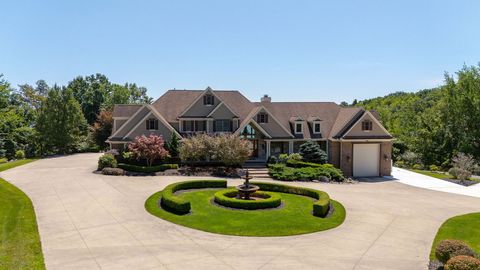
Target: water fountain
(245, 190)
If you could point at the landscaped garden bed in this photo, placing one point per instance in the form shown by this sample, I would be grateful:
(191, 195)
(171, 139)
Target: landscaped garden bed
(212, 206)
(458, 236)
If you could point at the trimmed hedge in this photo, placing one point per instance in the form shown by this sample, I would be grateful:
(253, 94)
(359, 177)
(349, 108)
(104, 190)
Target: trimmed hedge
(320, 207)
(299, 170)
(113, 171)
(144, 169)
(182, 206)
(463, 262)
(228, 198)
(450, 248)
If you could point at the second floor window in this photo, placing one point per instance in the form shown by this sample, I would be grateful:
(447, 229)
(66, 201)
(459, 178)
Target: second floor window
(152, 124)
(223, 125)
(298, 128)
(367, 125)
(194, 126)
(208, 100)
(262, 118)
(316, 127)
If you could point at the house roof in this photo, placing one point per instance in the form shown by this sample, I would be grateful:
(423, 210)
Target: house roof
(125, 110)
(334, 119)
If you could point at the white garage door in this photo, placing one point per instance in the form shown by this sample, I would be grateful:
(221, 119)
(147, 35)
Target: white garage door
(366, 159)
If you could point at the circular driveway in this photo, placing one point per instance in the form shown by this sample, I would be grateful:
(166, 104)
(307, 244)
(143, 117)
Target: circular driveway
(92, 221)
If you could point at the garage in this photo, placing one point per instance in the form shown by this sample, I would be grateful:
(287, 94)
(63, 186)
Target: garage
(366, 159)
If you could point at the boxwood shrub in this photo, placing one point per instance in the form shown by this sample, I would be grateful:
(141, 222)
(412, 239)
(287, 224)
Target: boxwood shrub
(179, 205)
(320, 207)
(450, 248)
(298, 170)
(227, 197)
(144, 169)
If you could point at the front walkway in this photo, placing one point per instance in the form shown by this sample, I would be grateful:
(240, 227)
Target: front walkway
(424, 181)
(91, 221)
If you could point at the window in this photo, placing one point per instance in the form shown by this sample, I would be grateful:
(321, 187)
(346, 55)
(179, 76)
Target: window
(248, 132)
(316, 127)
(223, 125)
(262, 118)
(208, 100)
(298, 128)
(367, 125)
(194, 126)
(152, 124)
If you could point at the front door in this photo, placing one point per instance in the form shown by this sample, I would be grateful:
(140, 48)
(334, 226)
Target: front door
(253, 144)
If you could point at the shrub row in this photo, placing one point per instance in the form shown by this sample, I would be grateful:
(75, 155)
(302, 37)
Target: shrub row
(227, 197)
(144, 169)
(180, 205)
(286, 173)
(450, 248)
(320, 207)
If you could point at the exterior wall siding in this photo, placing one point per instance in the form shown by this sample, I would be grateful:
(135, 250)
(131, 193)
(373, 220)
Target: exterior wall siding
(357, 129)
(199, 109)
(272, 127)
(128, 126)
(346, 160)
(334, 153)
(165, 132)
(222, 113)
(386, 158)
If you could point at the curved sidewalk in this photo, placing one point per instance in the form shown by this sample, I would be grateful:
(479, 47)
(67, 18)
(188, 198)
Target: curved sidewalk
(423, 181)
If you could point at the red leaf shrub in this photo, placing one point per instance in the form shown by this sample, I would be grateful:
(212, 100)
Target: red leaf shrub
(149, 148)
(463, 262)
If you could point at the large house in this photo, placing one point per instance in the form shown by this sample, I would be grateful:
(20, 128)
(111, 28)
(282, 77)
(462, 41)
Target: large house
(354, 139)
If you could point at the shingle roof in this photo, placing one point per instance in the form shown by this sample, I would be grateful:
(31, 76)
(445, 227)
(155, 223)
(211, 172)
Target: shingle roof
(334, 119)
(284, 111)
(125, 110)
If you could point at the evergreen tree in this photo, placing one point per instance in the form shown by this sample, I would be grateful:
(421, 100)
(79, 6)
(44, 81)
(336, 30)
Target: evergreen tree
(311, 152)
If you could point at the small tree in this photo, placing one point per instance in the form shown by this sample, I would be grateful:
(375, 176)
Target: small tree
(173, 145)
(312, 152)
(232, 150)
(149, 148)
(102, 128)
(463, 166)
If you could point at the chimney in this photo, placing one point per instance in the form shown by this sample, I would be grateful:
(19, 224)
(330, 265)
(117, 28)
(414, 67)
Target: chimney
(266, 98)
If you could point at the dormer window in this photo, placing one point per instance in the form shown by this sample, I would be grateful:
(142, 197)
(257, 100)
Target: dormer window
(298, 127)
(316, 127)
(152, 124)
(367, 125)
(208, 100)
(262, 118)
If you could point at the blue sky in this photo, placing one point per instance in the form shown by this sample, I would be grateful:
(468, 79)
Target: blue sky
(292, 50)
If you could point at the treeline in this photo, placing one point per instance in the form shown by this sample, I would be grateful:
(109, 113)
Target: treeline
(434, 125)
(41, 119)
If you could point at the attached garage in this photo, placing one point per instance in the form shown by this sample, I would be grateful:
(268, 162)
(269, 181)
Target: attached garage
(366, 159)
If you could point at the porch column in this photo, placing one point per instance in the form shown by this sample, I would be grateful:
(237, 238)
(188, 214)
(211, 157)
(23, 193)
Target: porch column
(290, 147)
(268, 149)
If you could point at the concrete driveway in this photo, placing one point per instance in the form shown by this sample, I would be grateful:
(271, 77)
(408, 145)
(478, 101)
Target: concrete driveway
(91, 221)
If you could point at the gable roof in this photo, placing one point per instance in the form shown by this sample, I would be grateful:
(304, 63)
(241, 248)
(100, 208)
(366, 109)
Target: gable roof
(335, 121)
(174, 102)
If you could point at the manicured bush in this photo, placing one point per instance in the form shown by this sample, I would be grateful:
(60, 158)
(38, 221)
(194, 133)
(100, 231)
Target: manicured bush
(19, 154)
(449, 248)
(228, 198)
(113, 171)
(433, 168)
(298, 170)
(180, 205)
(107, 161)
(272, 160)
(463, 262)
(127, 155)
(417, 167)
(459, 173)
(149, 148)
(295, 157)
(312, 152)
(145, 169)
(320, 207)
(282, 158)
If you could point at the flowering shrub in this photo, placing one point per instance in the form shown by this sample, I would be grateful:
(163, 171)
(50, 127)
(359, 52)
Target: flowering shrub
(463, 262)
(149, 148)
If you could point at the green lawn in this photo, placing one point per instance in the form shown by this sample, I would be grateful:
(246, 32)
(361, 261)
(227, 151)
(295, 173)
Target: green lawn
(295, 217)
(464, 227)
(20, 246)
(439, 175)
